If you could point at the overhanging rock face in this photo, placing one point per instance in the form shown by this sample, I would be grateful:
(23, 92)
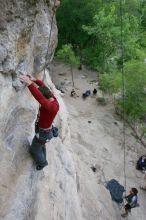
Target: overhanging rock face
(24, 35)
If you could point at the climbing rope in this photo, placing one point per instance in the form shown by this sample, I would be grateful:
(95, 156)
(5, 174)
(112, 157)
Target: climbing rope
(123, 90)
(47, 63)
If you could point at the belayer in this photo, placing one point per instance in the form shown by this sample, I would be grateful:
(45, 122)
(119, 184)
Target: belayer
(49, 107)
(132, 201)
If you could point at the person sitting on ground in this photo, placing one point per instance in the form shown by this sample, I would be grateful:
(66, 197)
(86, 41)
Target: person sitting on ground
(48, 110)
(80, 67)
(141, 163)
(73, 93)
(94, 91)
(131, 201)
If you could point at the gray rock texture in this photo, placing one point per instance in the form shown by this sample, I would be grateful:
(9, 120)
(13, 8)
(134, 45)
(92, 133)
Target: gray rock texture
(24, 36)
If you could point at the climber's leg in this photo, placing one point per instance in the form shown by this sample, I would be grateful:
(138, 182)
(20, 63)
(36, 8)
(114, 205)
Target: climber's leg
(38, 152)
(38, 148)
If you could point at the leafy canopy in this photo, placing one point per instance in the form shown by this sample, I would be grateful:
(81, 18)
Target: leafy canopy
(67, 55)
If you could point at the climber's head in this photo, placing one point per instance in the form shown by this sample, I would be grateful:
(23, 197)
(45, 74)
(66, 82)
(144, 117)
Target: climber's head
(134, 191)
(46, 92)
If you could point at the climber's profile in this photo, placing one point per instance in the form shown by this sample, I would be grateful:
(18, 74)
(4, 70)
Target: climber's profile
(49, 107)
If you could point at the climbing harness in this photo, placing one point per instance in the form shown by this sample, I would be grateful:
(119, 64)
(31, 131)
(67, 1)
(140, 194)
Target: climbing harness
(123, 91)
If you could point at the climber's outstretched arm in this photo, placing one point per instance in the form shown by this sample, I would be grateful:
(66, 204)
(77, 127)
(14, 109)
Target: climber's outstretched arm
(36, 92)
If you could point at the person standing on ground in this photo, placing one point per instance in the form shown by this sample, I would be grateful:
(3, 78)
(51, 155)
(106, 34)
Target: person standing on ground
(49, 107)
(131, 201)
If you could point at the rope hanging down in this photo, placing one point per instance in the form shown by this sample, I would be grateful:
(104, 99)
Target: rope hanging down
(47, 63)
(123, 90)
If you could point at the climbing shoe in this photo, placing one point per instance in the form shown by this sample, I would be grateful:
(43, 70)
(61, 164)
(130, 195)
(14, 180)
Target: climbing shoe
(39, 167)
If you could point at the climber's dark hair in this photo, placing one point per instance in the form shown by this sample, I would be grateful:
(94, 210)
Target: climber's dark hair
(134, 190)
(46, 92)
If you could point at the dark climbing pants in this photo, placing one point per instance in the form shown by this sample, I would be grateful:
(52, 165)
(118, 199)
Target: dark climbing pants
(38, 148)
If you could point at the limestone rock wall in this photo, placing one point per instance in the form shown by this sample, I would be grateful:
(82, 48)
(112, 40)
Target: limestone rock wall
(24, 35)
(24, 31)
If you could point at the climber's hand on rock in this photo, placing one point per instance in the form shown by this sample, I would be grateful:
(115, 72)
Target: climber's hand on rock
(25, 79)
(31, 77)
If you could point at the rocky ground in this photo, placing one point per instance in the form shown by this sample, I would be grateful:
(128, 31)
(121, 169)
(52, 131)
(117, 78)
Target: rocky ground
(96, 140)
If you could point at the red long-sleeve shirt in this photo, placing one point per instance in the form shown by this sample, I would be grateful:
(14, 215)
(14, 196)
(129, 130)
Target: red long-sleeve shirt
(48, 109)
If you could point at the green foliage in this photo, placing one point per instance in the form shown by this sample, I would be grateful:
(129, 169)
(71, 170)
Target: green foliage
(67, 55)
(135, 89)
(110, 83)
(135, 95)
(106, 34)
(71, 15)
(93, 28)
(102, 32)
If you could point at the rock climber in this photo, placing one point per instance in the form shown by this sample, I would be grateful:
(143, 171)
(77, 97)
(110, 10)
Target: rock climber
(49, 107)
(132, 201)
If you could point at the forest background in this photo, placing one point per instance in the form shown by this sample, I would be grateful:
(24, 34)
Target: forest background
(90, 34)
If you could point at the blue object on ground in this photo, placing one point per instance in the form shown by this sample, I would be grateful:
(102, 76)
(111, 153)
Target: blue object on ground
(116, 190)
(86, 94)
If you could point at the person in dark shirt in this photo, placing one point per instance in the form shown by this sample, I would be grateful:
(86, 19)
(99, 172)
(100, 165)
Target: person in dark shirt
(94, 91)
(49, 107)
(141, 163)
(132, 201)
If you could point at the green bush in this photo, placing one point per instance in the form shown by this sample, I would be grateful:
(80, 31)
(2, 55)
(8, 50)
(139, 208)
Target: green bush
(67, 55)
(135, 89)
(110, 83)
(135, 94)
